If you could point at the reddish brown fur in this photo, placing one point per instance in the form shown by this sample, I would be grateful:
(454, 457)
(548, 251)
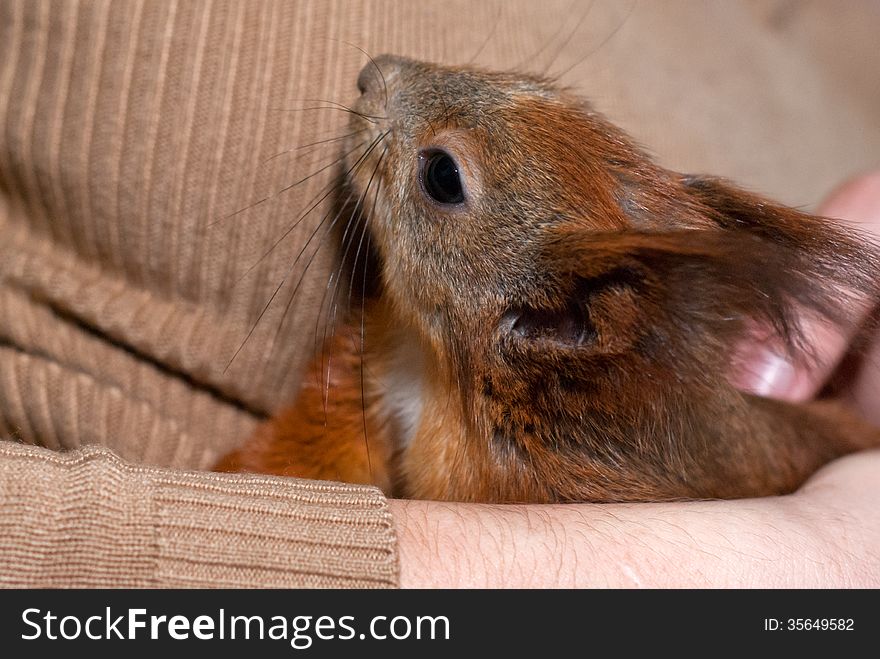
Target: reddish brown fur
(565, 333)
(319, 437)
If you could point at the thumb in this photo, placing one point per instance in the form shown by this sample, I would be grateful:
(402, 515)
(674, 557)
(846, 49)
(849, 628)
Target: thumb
(766, 370)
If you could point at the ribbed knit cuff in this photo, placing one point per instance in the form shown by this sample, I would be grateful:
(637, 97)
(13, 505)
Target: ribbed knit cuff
(86, 519)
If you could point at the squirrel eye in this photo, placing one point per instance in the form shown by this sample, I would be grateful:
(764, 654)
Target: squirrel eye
(441, 179)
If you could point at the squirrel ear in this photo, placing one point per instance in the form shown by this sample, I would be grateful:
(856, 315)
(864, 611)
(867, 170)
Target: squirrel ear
(597, 316)
(691, 292)
(837, 253)
(686, 295)
(829, 264)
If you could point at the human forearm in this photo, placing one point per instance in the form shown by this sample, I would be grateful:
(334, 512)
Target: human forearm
(794, 541)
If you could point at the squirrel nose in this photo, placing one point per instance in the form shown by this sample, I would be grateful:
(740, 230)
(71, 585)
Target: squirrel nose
(378, 73)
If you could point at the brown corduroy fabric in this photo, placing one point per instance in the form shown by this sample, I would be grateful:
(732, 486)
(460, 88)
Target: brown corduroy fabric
(131, 133)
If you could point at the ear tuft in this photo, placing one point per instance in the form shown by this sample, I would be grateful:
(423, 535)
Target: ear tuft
(834, 255)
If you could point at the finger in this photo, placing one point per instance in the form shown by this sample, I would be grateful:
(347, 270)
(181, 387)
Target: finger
(865, 393)
(768, 370)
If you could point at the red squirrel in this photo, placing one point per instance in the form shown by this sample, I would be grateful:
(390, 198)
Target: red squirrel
(555, 315)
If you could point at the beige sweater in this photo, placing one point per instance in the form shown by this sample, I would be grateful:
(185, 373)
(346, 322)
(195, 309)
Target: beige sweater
(130, 132)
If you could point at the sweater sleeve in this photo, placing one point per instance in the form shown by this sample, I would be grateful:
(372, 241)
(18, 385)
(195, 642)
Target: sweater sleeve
(85, 518)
